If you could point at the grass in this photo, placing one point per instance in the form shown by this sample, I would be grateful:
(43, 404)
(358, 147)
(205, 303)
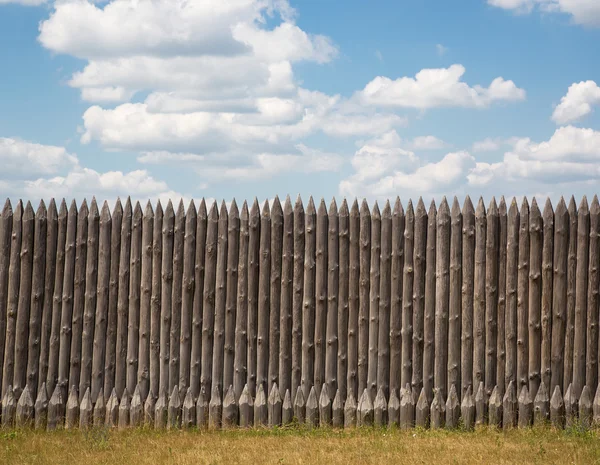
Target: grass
(298, 446)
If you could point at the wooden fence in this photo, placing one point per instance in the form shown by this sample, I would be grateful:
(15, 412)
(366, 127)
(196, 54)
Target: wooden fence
(351, 316)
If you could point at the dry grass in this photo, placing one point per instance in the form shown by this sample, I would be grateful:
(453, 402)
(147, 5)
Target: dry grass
(296, 446)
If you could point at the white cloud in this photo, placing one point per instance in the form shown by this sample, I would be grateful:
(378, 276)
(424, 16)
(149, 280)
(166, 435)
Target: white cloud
(487, 145)
(585, 12)
(428, 143)
(432, 88)
(27, 159)
(441, 50)
(24, 2)
(577, 103)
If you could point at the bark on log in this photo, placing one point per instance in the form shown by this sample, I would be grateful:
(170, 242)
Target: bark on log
(187, 305)
(547, 271)
(343, 305)
(491, 297)
(383, 343)
(166, 295)
(275, 292)
(233, 245)
(6, 225)
(320, 295)
(241, 321)
(364, 290)
(208, 306)
(354, 303)
(479, 295)
(298, 294)
(512, 254)
(308, 313)
(143, 373)
(455, 308)
(535, 297)
(523, 299)
(264, 281)
(591, 361)
(501, 343)
(287, 293)
(411, 299)
(570, 294)
(253, 282)
(375, 278)
(123, 302)
(442, 296)
(468, 276)
(579, 345)
(430, 300)
(397, 296)
(197, 310)
(176, 299)
(155, 305)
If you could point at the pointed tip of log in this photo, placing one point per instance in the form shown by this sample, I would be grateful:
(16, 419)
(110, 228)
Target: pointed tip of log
(524, 397)
(266, 212)
(420, 204)
(557, 398)
(287, 206)
(148, 212)
(344, 208)
(274, 395)
(548, 210)
(324, 398)
(534, 205)
(595, 206)
(7, 210)
(175, 399)
(234, 212)
(287, 399)
(118, 207)
(380, 401)
(572, 205)
(542, 393)
(244, 215)
(333, 209)
(180, 208)
(480, 394)
(495, 398)
(229, 398)
(480, 211)
(493, 208)
(467, 400)
(202, 209)
(365, 403)
(468, 208)
(42, 395)
(583, 205)
(452, 397)
(159, 209)
(410, 211)
(28, 214)
(562, 205)
(191, 210)
(25, 398)
(310, 208)
(364, 208)
(510, 394)
(524, 206)
(502, 206)
(41, 210)
(169, 211)
(298, 203)
(444, 207)
(213, 214)
(354, 211)
(586, 396)
(83, 208)
(422, 402)
(299, 399)
(387, 210)
(432, 209)
(223, 210)
(376, 213)
(455, 207)
(312, 398)
(137, 212)
(276, 209)
(513, 210)
(322, 208)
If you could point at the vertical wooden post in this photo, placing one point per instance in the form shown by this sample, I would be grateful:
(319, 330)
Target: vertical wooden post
(559, 295)
(275, 291)
(479, 295)
(409, 299)
(430, 299)
(591, 360)
(188, 290)
(364, 291)
(442, 296)
(512, 260)
(418, 321)
(491, 298)
(343, 303)
(208, 306)
(353, 292)
(6, 222)
(264, 278)
(331, 326)
(298, 294)
(523, 299)
(468, 282)
(233, 246)
(397, 296)
(535, 297)
(241, 320)
(143, 374)
(308, 313)
(583, 238)
(571, 285)
(91, 296)
(199, 270)
(320, 296)
(383, 343)
(374, 299)
(253, 282)
(287, 292)
(123, 301)
(155, 302)
(37, 299)
(176, 299)
(113, 297)
(547, 270)
(24, 305)
(135, 278)
(99, 336)
(455, 312)
(501, 343)
(166, 294)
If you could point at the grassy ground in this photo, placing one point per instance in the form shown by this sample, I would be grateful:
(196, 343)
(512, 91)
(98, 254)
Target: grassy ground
(297, 446)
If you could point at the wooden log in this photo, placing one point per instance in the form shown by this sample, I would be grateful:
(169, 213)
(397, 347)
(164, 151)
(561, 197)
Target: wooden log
(491, 295)
(264, 281)
(14, 276)
(113, 297)
(407, 408)
(559, 294)
(166, 294)
(468, 282)
(161, 411)
(509, 407)
(177, 298)
(100, 318)
(246, 406)
(136, 412)
(149, 406)
(393, 410)
(202, 410)
(452, 409)
(350, 409)
(145, 335)
(79, 295)
(308, 313)
(557, 409)
(275, 292)
(397, 296)
(437, 411)
(56, 409)
(253, 282)
(365, 413)
(320, 295)
(155, 303)
(261, 412)
(208, 305)
(72, 409)
(481, 404)
(571, 409)
(287, 294)
(380, 409)
(343, 310)
(430, 299)
(422, 411)
(25, 409)
(300, 406)
(233, 246)
(9, 408)
(6, 224)
(188, 284)
(535, 297)
(501, 339)
(525, 408)
(411, 299)
(99, 409)
(37, 299)
(455, 305)
(354, 303)
(512, 260)
(174, 411)
(274, 405)
(442, 296)
(124, 409)
(287, 409)
(112, 410)
(375, 277)
(571, 274)
(91, 299)
(495, 412)
(24, 305)
(541, 406)
(585, 408)
(241, 322)
(298, 294)
(547, 272)
(383, 343)
(579, 345)
(591, 353)
(479, 295)
(220, 300)
(467, 410)
(86, 411)
(324, 407)
(230, 409)
(363, 295)
(596, 407)
(123, 300)
(312, 409)
(41, 408)
(523, 299)
(197, 310)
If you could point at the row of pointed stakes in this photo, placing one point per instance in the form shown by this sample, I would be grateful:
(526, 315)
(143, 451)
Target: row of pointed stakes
(405, 412)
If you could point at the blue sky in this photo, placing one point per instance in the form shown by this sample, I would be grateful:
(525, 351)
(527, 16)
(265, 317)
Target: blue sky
(205, 98)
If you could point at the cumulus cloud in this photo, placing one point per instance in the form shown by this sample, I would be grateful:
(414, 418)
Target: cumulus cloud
(441, 87)
(27, 159)
(577, 103)
(585, 12)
